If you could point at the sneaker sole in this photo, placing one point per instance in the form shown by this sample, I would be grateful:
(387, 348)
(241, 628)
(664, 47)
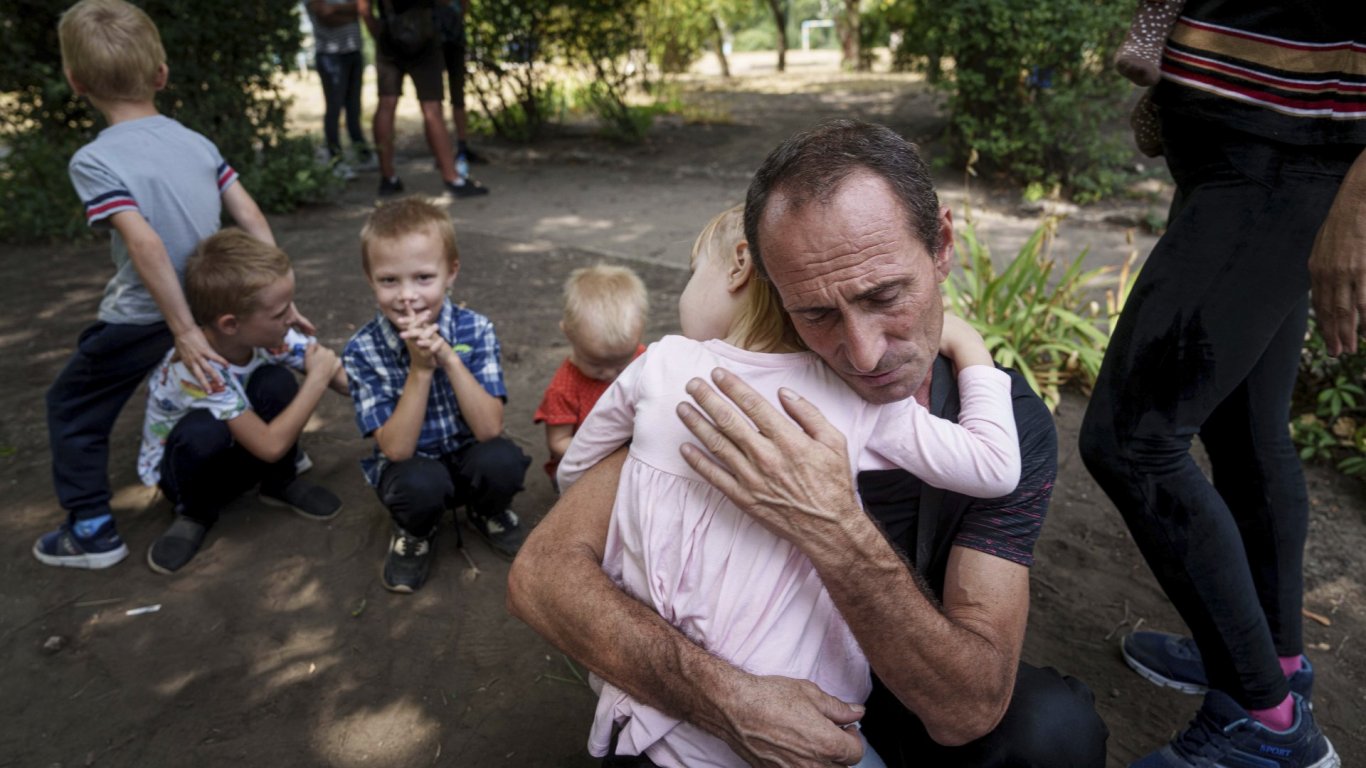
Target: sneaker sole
(89, 561)
(157, 568)
(271, 502)
(398, 589)
(1330, 760)
(1158, 678)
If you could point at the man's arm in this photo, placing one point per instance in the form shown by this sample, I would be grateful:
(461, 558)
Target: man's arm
(953, 667)
(1337, 265)
(366, 12)
(557, 586)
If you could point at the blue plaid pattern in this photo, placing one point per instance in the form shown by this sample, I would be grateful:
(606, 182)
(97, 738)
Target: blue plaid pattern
(377, 362)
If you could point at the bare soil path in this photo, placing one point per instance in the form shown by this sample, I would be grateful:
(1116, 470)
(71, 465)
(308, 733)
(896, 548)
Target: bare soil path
(278, 646)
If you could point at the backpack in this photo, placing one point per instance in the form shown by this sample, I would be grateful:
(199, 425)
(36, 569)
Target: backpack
(408, 33)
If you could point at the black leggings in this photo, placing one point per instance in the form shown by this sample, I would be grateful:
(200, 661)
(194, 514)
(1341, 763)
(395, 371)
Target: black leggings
(1209, 344)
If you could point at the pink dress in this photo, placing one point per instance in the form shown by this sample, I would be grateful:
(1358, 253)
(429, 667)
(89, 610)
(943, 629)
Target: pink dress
(737, 590)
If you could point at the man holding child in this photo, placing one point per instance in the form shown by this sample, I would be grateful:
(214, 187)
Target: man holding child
(845, 223)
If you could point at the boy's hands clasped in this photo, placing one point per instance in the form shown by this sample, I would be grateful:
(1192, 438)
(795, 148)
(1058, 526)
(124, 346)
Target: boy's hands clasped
(426, 346)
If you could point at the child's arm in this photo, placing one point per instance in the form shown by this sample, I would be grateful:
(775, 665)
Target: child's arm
(270, 440)
(609, 425)
(480, 410)
(980, 455)
(246, 213)
(153, 265)
(397, 439)
(339, 383)
(557, 438)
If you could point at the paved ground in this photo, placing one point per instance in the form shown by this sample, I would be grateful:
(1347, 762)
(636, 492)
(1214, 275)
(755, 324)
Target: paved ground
(279, 647)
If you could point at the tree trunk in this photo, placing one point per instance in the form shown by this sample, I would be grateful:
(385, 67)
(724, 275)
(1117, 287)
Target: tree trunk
(849, 37)
(721, 44)
(779, 8)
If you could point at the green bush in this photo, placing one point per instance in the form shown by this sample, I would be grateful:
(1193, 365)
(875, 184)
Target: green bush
(513, 42)
(1043, 324)
(1029, 85)
(224, 83)
(1329, 415)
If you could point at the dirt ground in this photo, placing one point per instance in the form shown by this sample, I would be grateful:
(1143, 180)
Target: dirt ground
(278, 646)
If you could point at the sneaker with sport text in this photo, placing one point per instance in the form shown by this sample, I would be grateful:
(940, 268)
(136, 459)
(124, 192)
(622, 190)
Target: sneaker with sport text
(64, 548)
(1173, 661)
(408, 562)
(1224, 735)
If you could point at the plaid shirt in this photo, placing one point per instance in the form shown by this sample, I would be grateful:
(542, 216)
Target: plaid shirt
(377, 362)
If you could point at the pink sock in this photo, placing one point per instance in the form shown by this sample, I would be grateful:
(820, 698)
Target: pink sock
(1279, 717)
(1290, 665)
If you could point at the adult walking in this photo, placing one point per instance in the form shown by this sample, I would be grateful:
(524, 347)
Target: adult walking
(1262, 118)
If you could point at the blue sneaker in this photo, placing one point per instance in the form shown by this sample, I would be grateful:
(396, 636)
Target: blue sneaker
(64, 548)
(1173, 661)
(1224, 735)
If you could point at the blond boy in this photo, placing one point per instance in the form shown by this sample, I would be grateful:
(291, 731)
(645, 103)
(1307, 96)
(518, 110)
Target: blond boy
(604, 317)
(204, 447)
(427, 384)
(159, 188)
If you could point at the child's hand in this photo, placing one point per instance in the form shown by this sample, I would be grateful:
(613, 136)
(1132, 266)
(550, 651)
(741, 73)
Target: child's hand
(302, 324)
(962, 344)
(194, 351)
(414, 327)
(320, 361)
(429, 342)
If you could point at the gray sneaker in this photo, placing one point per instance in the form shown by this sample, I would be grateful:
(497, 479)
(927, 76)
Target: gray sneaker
(1173, 661)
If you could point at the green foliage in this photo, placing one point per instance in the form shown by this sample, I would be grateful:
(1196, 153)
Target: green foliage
(1029, 85)
(1329, 422)
(1038, 322)
(291, 177)
(223, 83)
(513, 42)
(607, 43)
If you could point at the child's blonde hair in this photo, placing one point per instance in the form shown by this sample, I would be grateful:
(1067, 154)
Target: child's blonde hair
(605, 303)
(112, 49)
(761, 325)
(227, 271)
(404, 216)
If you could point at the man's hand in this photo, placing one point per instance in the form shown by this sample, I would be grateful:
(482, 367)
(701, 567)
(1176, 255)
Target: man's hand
(794, 478)
(194, 351)
(1337, 266)
(779, 721)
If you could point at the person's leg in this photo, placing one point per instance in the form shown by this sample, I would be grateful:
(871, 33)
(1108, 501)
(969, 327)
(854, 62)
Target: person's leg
(85, 400)
(353, 74)
(416, 492)
(331, 70)
(428, 81)
(453, 53)
(389, 78)
(270, 390)
(1051, 720)
(1213, 296)
(487, 476)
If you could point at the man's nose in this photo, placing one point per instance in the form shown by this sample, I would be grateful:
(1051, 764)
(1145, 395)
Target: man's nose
(864, 344)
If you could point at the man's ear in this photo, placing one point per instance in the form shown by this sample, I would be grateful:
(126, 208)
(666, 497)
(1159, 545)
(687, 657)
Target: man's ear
(741, 268)
(163, 75)
(943, 259)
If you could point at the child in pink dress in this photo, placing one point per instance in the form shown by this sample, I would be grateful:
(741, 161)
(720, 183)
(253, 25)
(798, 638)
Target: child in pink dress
(677, 544)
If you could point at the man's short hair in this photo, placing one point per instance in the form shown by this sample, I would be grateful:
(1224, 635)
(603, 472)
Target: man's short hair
(606, 303)
(227, 271)
(112, 49)
(812, 165)
(405, 216)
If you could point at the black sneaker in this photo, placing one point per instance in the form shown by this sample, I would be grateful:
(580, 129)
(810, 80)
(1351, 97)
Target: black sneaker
(390, 186)
(502, 531)
(470, 188)
(177, 546)
(1224, 734)
(64, 548)
(474, 158)
(408, 561)
(311, 501)
(1173, 661)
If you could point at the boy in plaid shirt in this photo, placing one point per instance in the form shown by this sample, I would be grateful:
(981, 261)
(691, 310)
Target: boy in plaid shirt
(427, 383)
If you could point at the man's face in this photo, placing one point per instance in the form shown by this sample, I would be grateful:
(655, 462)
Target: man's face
(862, 290)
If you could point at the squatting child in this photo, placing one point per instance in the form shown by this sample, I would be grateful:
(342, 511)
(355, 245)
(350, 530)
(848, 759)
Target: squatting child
(160, 188)
(427, 383)
(604, 317)
(677, 544)
(204, 447)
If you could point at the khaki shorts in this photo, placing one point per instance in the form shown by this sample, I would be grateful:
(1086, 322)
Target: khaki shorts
(427, 70)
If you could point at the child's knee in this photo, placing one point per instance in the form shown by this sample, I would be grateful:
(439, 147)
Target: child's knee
(499, 464)
(271, 389)
(198, 437)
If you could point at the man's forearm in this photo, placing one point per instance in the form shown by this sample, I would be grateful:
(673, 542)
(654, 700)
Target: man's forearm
(955, 674)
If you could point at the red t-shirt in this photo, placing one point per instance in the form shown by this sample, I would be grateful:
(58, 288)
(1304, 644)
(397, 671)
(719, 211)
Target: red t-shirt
(569, 398)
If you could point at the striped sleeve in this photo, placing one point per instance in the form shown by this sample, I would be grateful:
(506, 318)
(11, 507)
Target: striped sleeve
(226, 176)
(101, 192)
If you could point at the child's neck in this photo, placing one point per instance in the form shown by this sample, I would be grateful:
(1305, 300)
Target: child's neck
(117, 111)
(229, 347)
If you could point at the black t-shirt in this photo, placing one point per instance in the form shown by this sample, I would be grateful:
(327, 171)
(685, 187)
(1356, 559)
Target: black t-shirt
(1290, 72)
(1006, 527)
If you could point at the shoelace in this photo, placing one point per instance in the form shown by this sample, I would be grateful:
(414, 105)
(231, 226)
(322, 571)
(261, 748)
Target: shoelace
(1203, 738)
(410, 546)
